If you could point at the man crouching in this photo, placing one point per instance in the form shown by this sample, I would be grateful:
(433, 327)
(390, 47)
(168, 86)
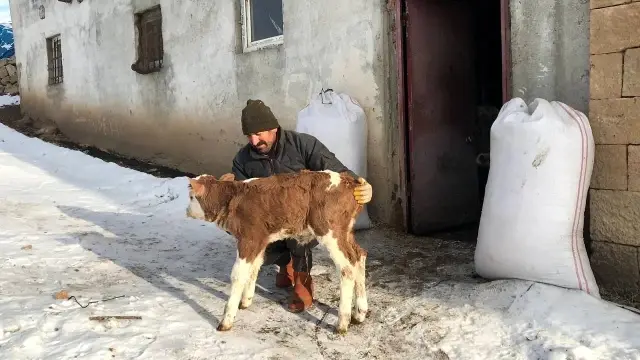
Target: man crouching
(272, 150)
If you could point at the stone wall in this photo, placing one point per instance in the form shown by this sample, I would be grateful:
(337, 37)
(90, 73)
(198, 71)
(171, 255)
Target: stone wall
(8, 76)
(615, 120)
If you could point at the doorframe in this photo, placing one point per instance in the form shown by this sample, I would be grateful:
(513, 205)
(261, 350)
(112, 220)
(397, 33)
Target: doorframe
(399, 31)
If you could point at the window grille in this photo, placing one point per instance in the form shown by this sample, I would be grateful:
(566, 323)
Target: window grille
(150, 46)
(54, 57)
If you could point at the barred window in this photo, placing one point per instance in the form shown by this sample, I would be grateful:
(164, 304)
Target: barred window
(150, 48)
(54, 59)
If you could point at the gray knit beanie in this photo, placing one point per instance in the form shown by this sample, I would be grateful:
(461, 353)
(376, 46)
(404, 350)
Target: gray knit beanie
(257, 117)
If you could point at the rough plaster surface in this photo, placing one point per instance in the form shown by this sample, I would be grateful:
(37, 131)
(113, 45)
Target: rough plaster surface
(550, 51)
(188, 115)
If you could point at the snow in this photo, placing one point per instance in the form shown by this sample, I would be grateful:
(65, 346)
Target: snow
(101, 231)
(9, 100)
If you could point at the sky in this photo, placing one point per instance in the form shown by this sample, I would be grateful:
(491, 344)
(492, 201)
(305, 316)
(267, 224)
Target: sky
(4, 11)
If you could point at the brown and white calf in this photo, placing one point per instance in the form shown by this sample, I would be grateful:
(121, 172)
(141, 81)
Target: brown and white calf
(306, 206)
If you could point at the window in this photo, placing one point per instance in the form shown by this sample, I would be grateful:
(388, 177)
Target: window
(262, 24)
(150, 49)
(54, 59)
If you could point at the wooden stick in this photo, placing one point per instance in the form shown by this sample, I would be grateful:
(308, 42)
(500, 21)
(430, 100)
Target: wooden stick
(119, 317)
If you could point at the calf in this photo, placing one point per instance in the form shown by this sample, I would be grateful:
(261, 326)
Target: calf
(305, 206)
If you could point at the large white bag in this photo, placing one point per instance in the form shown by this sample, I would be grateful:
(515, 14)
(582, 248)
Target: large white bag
(339, 122)
(541, 160)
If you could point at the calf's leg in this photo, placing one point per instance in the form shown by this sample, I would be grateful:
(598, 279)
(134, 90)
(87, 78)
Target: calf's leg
(250, 287)
(362, 306)
(347, 278)
(239, 277)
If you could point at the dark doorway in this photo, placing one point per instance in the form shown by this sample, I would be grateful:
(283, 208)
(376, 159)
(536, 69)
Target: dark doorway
(453, 56)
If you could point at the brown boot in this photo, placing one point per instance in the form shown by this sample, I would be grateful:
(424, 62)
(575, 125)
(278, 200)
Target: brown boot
(284, 278)
(302, 297)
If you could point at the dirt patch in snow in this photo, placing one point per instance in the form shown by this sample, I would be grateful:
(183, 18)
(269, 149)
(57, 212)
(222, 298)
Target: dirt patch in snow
(47, 131)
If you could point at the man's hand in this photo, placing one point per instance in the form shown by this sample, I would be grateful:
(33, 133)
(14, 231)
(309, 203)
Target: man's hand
(227, 177)
(363, 192)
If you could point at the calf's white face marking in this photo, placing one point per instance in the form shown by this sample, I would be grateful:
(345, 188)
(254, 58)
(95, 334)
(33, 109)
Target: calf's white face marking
(194, 210)
(249, 180)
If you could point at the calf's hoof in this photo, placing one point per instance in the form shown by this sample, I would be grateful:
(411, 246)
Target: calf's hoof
(341, 330)
(245, 304)
(343, 325)
(224, 327)
(358, 318)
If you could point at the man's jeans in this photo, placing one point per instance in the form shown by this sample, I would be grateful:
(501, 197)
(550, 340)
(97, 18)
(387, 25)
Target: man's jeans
(282, 251)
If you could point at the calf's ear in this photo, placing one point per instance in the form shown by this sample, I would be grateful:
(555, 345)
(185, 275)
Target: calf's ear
(196, 186)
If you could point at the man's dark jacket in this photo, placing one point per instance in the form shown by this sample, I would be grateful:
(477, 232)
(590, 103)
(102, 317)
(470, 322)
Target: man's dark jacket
(292, 152)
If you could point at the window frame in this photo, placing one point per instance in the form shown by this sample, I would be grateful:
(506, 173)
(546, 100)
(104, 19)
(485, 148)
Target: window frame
(138, 19)
(52, 78)
(247, 44)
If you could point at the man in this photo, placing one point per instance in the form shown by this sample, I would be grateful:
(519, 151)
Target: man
(273, 150)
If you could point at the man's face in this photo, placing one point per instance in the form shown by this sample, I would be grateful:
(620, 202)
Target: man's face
(263, 141)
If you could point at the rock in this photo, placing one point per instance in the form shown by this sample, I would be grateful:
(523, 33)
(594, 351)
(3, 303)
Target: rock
(615, 28)
(61, 295)
(25, 121)
(27, 247)
(3, 72)
(606, 76)
(631, 83)
(13, 78)
(594, 4)
(11, 89)
(616, 266)
(615, 121)
(634, 167)
(48, 130)
(5, 80)
(610, 167)
(11, 69)
(615, 216)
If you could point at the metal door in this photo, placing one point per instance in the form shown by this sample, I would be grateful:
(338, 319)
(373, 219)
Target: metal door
(441, 106)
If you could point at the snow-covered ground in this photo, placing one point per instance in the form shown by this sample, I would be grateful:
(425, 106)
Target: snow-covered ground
(72, 222)
(9, 100)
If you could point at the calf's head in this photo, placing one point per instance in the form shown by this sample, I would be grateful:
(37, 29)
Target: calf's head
(198, 189)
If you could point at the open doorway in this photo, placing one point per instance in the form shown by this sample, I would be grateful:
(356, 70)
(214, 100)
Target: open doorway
(455, 68)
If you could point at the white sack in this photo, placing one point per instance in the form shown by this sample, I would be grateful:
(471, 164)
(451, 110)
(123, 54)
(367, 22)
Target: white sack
(339, 122)
(533, 213)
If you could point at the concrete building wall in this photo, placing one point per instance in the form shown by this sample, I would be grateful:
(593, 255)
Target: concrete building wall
(615, 120)
(550, 51)
(187, 115)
